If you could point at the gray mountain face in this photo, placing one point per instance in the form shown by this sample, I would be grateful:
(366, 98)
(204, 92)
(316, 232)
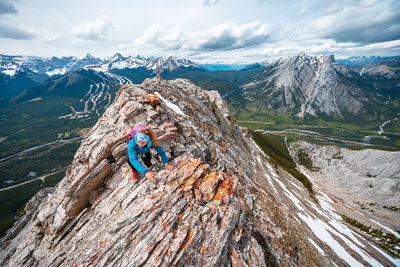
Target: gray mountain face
(222, 203)
(160, 64)
(320, 87)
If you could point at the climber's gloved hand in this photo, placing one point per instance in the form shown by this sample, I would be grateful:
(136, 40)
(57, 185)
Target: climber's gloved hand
(151, 176)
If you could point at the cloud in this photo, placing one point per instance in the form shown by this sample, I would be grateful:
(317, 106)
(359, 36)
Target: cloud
(47, 36)
(357, 21)
(227, 36)
(157, 36)
(209, 2)
(97, 30)
(7, 8)
(230, 36)
(12, 32)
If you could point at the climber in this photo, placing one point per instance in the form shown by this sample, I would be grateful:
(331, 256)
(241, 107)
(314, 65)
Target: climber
(141, 143)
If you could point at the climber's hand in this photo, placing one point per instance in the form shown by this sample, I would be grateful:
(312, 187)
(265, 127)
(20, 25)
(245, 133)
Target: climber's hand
(151, 176)
(169, 167)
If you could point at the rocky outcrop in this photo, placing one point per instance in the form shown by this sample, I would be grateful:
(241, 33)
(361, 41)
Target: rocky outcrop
(367, 180)
(221, 204)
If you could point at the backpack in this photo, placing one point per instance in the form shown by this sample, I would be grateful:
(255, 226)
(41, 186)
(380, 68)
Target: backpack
(134, 131)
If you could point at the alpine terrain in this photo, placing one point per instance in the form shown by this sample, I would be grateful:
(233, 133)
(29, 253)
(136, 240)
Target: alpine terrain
(223, 203)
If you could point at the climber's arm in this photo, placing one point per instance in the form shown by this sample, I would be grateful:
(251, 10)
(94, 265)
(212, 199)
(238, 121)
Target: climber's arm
(161, 152)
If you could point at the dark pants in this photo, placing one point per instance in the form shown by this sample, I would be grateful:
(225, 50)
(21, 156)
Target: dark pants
(146, 159)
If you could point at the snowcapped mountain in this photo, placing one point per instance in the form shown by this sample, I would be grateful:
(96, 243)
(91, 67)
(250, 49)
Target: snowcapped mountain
(320, 87)
(91, 90)
(18, 73)
(158, 65)
(44, 66)
(120, 62)
(363, 60)
(10, 65)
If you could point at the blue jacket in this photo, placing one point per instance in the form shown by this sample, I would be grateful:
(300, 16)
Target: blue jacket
(134, 149)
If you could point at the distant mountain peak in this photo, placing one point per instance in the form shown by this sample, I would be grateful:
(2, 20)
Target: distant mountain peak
(88, 55)
(170, 63)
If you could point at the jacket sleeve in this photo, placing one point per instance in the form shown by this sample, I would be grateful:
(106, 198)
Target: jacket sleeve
(161, 152)
(133, 158)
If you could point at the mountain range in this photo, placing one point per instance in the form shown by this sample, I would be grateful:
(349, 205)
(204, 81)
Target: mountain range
(18, 73)
(304, 86)
(300, 88)
(363, 60)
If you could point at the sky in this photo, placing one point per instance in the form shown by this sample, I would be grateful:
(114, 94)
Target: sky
(205, 31)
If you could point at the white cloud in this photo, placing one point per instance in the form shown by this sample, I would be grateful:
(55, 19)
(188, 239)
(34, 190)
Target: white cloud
(209, 2)
(97, 30)
(157, 36)
(365, 21)
(227, 36)
(47, 36)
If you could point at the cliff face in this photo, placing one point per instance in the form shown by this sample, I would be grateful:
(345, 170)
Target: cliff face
(221, 204)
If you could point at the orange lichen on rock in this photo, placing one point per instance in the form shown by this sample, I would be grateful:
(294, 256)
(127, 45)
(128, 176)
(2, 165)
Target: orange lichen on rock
(190, 182)
(188, 169)
(209, 183)
(182, 163)
(225, 190)
(151, 99)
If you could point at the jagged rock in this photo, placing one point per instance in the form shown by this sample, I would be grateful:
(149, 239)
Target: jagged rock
(221, 204)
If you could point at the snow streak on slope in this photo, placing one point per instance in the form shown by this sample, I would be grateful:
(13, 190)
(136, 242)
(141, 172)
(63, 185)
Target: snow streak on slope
(98, 96)
(325, 225)
(174, 107)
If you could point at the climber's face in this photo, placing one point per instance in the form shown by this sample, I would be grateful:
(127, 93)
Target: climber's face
(141, 143)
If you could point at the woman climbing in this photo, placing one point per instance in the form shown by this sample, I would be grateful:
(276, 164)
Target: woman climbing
(141, 142)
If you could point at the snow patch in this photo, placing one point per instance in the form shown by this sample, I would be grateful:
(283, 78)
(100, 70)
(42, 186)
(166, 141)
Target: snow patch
(10, 72)
(290, 195)
(35, 99)
(57, 72)
(321, 230)
(295, 185)
(386, 228)
(316, 246)
(172, 106)
(396, 262)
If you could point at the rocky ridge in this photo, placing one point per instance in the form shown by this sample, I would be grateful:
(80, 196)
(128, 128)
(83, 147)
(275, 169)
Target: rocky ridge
(222, 203)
